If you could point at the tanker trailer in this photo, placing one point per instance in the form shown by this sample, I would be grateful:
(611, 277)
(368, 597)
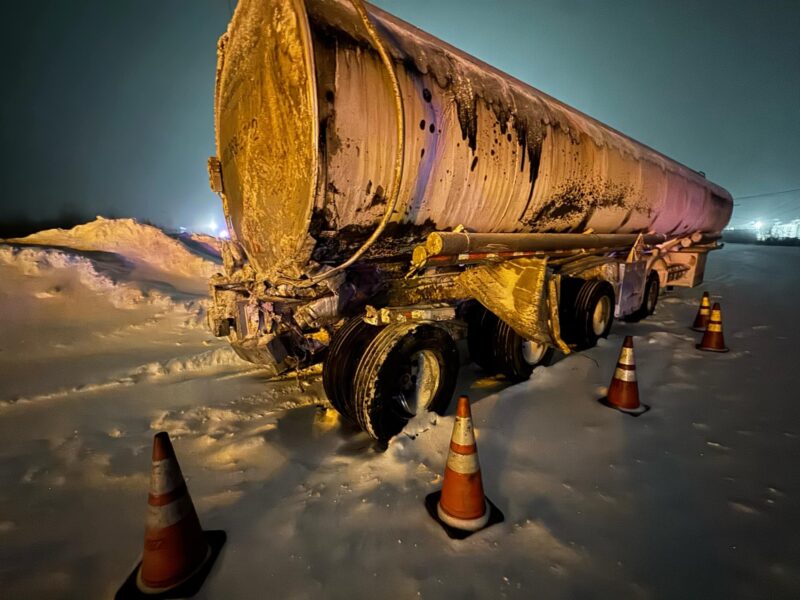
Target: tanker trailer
(387, 195)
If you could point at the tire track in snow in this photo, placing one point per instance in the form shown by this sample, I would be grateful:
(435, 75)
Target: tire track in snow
(204, 363)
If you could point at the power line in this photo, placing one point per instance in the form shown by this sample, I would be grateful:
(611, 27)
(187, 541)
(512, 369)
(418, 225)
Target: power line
(763, 194)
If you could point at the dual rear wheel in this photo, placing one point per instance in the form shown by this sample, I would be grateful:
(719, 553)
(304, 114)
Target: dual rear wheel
(498, 349)
(381, 377)
(586, 311)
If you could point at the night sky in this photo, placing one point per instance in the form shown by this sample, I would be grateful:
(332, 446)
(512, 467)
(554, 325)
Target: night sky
(107, 106)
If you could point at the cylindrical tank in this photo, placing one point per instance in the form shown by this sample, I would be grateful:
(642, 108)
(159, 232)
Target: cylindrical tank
(306, 136)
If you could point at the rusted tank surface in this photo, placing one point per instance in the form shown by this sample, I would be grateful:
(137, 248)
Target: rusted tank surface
(306, 134)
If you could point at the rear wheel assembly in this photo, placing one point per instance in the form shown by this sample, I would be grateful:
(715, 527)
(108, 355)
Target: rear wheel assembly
(407, 368)
(515, 356)
(497, 348)
(586, 311)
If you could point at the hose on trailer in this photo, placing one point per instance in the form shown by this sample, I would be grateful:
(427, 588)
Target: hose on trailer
(397, 175)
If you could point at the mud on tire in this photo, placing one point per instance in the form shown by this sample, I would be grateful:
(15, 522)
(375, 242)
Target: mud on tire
(338, 370)
(406, 368)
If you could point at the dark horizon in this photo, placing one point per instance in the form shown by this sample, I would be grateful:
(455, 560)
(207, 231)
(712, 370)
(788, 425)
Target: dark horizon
(107, 107)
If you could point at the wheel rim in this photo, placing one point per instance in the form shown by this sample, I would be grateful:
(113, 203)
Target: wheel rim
(420, 382)
(602, 311)
(533, 352)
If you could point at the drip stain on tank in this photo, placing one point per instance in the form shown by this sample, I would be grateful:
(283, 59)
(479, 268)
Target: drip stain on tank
(379, 198)
(532, 120)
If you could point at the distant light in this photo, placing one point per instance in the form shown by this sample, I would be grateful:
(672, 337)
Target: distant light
(212, 225)
(223, 233)
(182, 229)
(759, 224)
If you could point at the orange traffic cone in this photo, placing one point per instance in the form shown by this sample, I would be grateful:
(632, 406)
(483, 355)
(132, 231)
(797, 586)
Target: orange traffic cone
(623, 393)
(713, 340)
(461, 507)
(178, 554)
(703, 313)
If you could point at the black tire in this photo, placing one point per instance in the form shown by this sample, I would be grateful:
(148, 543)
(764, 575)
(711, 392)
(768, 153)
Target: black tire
(385, 375)
(481, 326)
(652, 288)
(512, 353)
(579, 304)
(346, 348)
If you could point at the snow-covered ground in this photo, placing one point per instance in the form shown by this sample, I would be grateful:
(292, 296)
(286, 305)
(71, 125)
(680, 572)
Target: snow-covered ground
(102, 343)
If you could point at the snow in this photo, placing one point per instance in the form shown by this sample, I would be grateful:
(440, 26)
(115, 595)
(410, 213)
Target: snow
(696, 498)
(148, 251)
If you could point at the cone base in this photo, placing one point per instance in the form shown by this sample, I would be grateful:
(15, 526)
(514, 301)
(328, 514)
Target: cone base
(432, 505)
(475, 524)
(720, 350)
(633, 412)
(185, 589)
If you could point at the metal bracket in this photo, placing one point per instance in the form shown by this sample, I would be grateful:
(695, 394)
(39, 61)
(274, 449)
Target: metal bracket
(404, 314)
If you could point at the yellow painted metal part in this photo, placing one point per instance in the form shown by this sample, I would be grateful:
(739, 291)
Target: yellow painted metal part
(555, 322)
(514, 291)
(267, 132)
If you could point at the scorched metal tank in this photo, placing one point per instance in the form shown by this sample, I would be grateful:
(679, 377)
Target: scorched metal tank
(307, 135)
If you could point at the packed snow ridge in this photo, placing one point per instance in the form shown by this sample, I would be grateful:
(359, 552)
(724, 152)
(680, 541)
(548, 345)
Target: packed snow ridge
(41, 262)
(144, 245)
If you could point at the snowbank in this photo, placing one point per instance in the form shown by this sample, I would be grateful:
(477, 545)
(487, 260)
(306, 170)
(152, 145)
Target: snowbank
(39, 262)
(142, 244)
(208, 244)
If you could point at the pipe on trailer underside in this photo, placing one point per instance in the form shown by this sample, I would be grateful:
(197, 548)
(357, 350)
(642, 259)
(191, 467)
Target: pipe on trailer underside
(454, 243)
